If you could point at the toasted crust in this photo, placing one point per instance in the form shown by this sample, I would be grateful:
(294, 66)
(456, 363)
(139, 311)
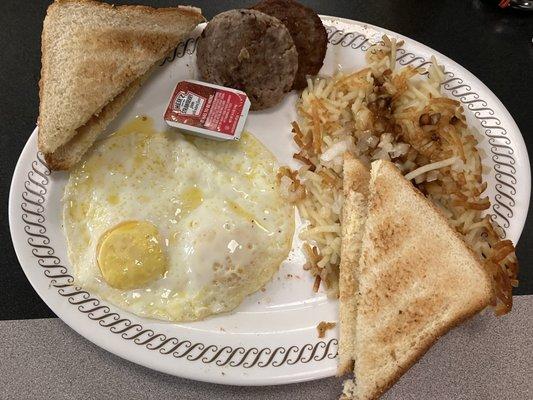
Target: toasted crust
(356, 176)
(93, 51)
(355, 190)
(186, 10)
(417, 279)
(415, 357)
(69, 154)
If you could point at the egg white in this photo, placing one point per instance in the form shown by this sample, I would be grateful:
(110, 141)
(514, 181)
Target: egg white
(224, 226)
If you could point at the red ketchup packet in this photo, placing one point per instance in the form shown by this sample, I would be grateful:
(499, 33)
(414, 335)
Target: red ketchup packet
(207, 110)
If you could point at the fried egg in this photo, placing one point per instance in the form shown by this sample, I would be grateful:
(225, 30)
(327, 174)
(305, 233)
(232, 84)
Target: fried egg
(175, 227)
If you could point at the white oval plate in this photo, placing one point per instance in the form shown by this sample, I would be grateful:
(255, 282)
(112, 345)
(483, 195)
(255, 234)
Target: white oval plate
(271, 338)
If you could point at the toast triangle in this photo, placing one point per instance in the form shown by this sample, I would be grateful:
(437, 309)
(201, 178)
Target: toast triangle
(70, 153)
(92, 52)
(355, 191)
(416, 280)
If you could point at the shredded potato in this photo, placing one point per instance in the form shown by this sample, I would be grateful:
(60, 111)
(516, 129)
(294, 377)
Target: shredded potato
(381, 112)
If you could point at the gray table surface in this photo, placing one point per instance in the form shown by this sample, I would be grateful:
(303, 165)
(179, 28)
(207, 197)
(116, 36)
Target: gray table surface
(486, 358)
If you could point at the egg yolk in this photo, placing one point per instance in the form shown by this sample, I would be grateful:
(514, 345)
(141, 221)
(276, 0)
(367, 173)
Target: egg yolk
(130, 255)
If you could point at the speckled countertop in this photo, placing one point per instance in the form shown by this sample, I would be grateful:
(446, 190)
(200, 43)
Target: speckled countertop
(486, 358)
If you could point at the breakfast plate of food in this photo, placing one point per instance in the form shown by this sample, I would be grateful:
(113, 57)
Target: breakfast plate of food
(267, 197)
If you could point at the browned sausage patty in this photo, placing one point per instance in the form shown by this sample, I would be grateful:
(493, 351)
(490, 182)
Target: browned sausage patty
(307, 31)
(249, 51)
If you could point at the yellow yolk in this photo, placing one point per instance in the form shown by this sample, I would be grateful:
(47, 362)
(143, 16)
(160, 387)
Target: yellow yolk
(130, 255)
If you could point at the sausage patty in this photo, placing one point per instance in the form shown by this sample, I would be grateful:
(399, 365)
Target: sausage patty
(307, 31)
(250, 51)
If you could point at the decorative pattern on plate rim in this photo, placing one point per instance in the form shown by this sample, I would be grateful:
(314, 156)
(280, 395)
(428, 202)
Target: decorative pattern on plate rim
(502, 154)
(33, 210)
(33, 216)
(188, 46)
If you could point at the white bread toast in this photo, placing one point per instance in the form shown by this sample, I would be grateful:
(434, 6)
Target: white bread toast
(92, 53)
(355, 191)
(71, 152)
(416, 280)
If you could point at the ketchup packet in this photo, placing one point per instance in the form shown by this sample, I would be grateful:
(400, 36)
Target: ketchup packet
(207, 110)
